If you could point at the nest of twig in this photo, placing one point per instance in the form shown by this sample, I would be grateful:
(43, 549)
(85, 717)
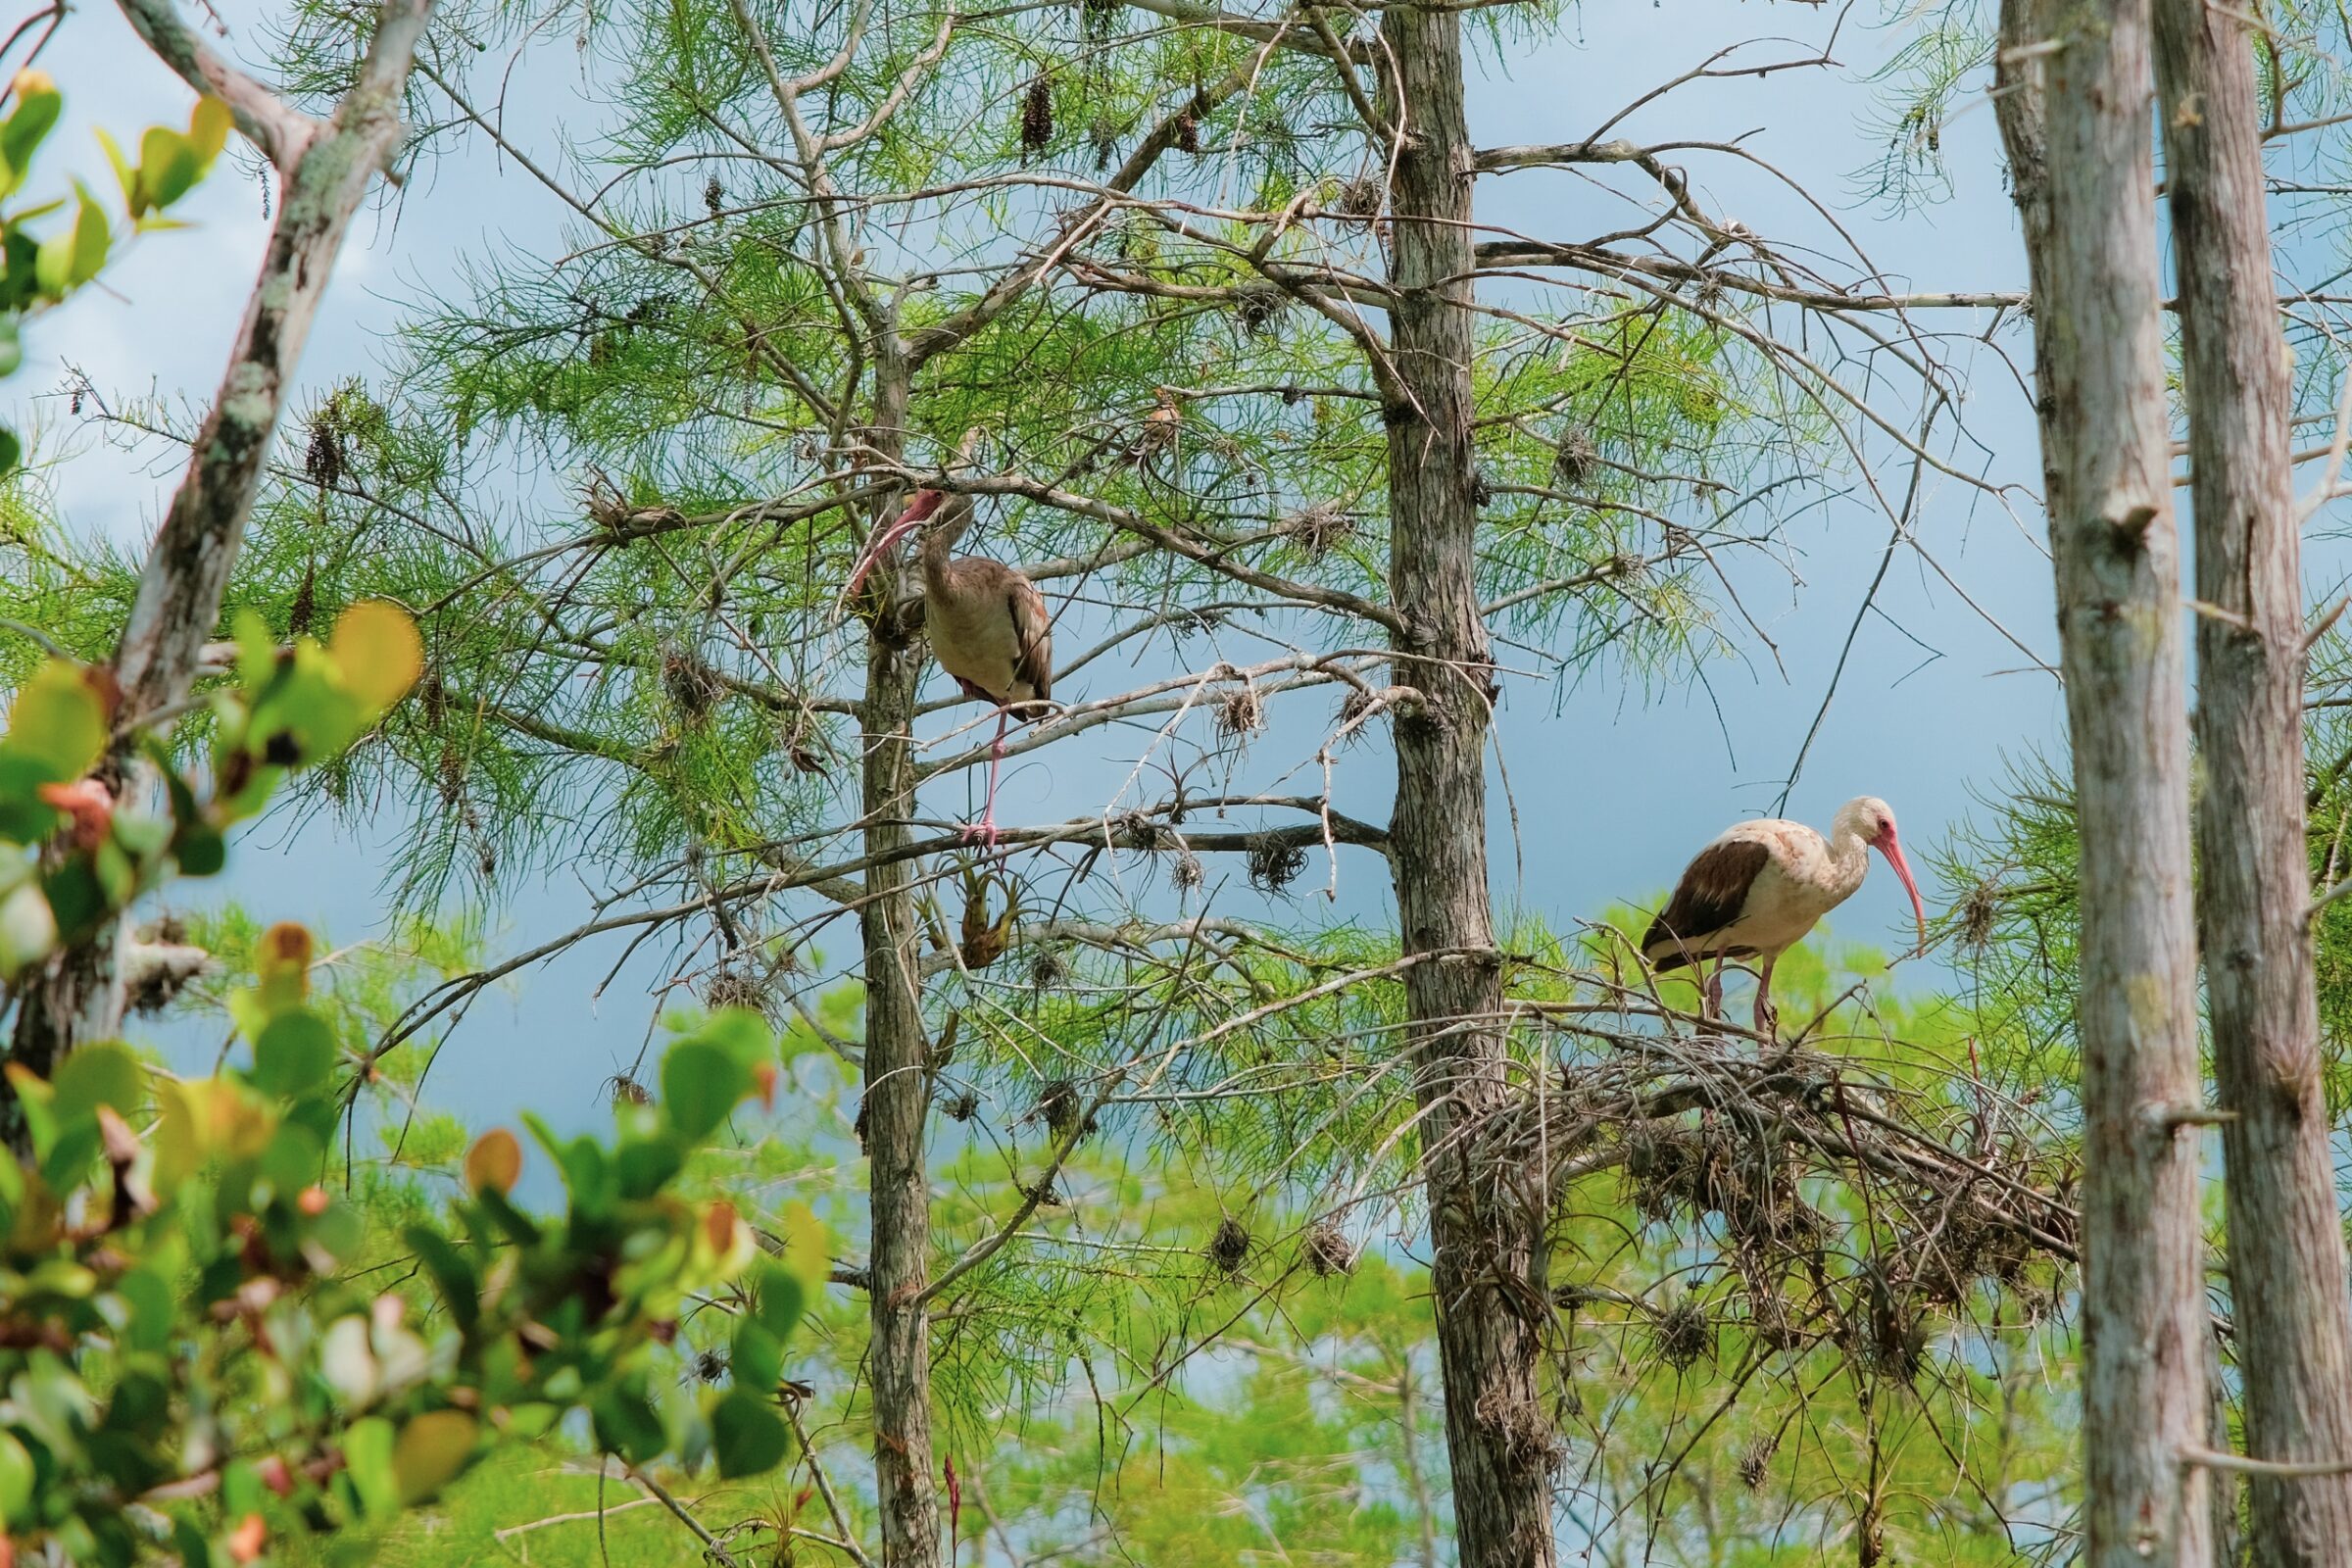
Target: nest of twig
(1186, 871)
(1258, 308)
(1362, 199)
(1576, 457)
(1682, 1333)
(1059, 1107)
(732, 987)
(963, 1107)
(1274, 865)
(1049, 968)
(1979, 915)
(1755, 1460)
(1328, 1251)
(1229, 1248)
(1519, 1422)
(1352, 708)
(1318, 526)
(693, 687)
(1239, 712)
(714, 196)
(1898, 1332)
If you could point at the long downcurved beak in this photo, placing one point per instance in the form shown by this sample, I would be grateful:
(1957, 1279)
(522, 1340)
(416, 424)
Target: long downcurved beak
(923, 503)
(1892, 848)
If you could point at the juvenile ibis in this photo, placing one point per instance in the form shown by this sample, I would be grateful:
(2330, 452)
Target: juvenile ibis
(987, 621)
(1761, 886)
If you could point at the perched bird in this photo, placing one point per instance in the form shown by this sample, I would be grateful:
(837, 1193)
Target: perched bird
(1761, 886)
(987, 621)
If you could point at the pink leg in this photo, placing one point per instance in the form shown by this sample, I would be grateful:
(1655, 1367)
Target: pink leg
(985, 830)
(1768, 1016)
(1713, 992)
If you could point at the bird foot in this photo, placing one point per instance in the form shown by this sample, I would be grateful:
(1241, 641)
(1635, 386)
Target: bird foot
(1768, 1020)
(984, 832)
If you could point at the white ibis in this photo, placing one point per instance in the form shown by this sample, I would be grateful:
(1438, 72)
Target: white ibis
(1761, 886)
(987, 621)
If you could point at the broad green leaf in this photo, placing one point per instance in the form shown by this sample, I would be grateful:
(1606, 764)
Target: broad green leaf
(16, 1482)
(58, 723)
(701, 1082)
(90, 238)
(376, 651)
(102, 1073)
(53, 266)
(367, 1457)
(625, 1423)
(167, 166)
(11, 350)
(294, 1053)
(432, 1448)
(749, 1437)
(39, 104)
(11, 452)
(757, 1358)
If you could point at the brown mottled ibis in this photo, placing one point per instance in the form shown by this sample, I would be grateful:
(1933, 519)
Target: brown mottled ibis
(987, 621)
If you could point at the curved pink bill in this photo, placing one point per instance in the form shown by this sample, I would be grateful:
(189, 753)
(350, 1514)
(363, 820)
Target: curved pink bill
(1890, 848)
(920, 507)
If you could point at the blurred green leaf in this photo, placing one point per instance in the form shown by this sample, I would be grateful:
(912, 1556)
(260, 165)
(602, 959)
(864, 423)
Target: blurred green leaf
(102, 1073)
(700, 1083)
(294, 1053)
(748, 1435)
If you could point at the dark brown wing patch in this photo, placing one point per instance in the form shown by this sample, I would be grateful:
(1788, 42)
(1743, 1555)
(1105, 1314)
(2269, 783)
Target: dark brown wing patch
(1709, 897)
(1033, 633)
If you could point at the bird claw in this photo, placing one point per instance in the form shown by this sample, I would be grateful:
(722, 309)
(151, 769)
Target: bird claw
(984, 832)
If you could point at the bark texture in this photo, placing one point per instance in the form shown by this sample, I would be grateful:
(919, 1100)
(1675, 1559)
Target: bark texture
(898, 1074)
(2287, 1284)
(1498, 1438)
(2074, 111)
(327, 168)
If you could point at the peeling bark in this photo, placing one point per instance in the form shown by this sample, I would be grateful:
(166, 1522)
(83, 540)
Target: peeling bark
(2287, 1284)
(1499, 1440)
(2072, 100)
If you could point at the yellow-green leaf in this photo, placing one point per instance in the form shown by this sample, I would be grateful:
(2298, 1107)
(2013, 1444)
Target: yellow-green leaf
(208, 129)
(167, 166)
(377, 651)
(90, 238)
(126, 174)
(282, 968)
(431, 1450)
(58, 723)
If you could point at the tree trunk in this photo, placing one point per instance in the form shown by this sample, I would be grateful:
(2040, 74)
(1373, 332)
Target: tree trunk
(2288, 1286)
(2088, 198)
(1499, 1441)
(898, 1077)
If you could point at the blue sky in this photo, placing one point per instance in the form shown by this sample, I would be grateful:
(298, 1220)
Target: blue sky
(1614, 790)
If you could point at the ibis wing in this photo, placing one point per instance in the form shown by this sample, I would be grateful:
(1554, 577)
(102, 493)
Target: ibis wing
(1710, 896)
(1033, 636)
